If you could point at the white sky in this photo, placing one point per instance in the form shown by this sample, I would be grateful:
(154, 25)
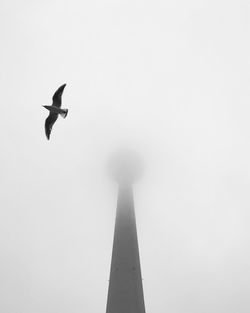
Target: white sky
(170, 78)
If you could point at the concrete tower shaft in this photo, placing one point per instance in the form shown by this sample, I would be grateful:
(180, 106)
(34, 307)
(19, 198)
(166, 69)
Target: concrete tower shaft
(125, 294)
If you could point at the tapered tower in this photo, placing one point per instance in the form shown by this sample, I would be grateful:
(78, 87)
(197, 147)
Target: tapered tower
(125, 294)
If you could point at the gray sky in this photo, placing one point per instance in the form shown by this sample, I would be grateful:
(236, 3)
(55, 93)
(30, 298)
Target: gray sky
(170, 78)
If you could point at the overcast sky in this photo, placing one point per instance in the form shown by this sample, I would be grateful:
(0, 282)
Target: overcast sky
(169, 78)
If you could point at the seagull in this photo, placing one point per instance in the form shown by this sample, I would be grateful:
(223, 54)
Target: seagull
(54, 110)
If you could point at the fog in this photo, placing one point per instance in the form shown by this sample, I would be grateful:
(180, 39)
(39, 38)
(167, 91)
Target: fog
(169, 79)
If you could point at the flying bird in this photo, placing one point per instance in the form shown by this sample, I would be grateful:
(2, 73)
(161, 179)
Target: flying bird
(54, 110)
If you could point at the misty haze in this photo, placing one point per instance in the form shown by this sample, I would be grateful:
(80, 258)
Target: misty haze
(169, 80)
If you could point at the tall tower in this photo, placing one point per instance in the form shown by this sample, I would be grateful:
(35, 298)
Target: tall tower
(125, 294)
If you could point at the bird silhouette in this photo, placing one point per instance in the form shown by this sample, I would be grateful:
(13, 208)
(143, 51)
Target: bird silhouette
(54, 110)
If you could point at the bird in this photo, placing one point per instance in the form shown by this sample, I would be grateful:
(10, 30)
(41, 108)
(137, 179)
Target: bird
(54, 110)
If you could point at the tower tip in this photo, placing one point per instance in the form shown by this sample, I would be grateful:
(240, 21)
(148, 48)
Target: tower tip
(125, 167)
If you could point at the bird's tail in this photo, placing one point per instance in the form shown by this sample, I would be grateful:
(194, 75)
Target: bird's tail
(64, 113)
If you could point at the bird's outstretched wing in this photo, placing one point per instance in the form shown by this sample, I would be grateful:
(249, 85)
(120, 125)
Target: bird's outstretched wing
(57, 97)
(49, 122)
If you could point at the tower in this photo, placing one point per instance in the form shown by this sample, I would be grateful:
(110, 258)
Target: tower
(125, 294)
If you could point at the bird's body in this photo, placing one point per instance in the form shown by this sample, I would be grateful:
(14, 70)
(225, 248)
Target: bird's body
(55, 110)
